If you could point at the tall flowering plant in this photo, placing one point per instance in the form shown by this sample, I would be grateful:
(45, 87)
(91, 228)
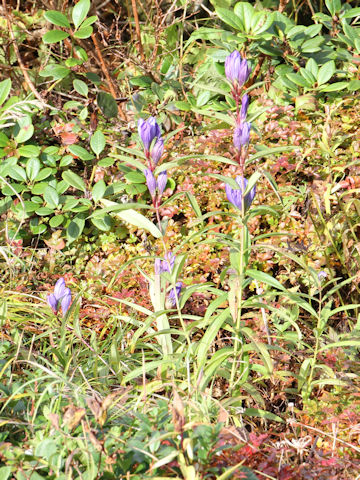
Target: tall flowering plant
(165, 290)
(237, 71)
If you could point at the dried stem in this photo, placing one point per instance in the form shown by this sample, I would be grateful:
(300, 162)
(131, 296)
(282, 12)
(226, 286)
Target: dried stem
(19, 59)
(137, 29)
(105, 71)
(256, 72)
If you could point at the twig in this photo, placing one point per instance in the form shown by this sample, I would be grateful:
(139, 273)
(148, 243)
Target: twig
(137, 30)
(19, 59)
(106, 73)
(282, 5)
(256, 72)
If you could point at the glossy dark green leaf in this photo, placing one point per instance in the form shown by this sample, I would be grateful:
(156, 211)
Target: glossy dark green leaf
(107, 104)
(57, 18)
(54, 36)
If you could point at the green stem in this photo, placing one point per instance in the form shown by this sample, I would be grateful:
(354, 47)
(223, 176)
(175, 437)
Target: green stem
(173, 286)
(240, 294)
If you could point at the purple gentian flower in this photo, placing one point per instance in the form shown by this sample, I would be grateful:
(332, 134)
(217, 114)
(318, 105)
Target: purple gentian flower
(322, 275)
(235, 196)
(161, 181)
(237, 69)
(244, 107)
(148, 130)
(242, 134)
(60, 297)
(150, 181)
(168, 263)
(157, 150)
(175, 293)
(165, 265)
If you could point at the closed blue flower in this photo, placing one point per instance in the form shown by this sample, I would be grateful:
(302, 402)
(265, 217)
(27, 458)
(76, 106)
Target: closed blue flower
(235, 196)
(148, 130)
(60, 297)
(161, 181)
(237, 69)
(165, 265)
(174, 293)
(157, 150)
(244, 107)
(242, 134)
(150, 181)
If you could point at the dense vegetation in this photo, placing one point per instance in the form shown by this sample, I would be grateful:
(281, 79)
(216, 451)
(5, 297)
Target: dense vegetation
(179, 255)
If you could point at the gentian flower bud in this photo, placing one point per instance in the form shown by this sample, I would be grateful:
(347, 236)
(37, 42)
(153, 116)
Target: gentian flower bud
(148, 130)
(175, 292)
(235, 196)
(242, 134)
(244, 107)
(157, 150)
(322, 275)
(150, 181)
(61, 296)
(161, 181)
(237, 69)
(168, 263)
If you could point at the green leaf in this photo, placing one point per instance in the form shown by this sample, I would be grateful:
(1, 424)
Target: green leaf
(33, 166)
(44, 173)
(107, 104)
(56, 221)
(106, 162)
(29, 151)
(54, 36)
(17, 173)
(75, 228)
(5, 87)
(98, 190)
(80, 152)
(147, 367)
(23, 129)
(135, 177)
(57, 18)
(230, 18)
(81, 87)
(326, 72)
(312, 67)
(334, 6)
(207, 339)
(74, 180)
(57, 72)
(246, 12)
(265, 278)
(5, 473)
(97, 142)
(257, 412)
(103, 223)
(334, 87)
(298, 79)
(134, 218)
(51, 197)
(84, 32)
(79, 12)
(44, 211)
(89, 21)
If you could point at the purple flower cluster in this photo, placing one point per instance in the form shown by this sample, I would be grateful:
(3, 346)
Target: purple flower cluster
(237, 71)
(60, 297)
(150, 135)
